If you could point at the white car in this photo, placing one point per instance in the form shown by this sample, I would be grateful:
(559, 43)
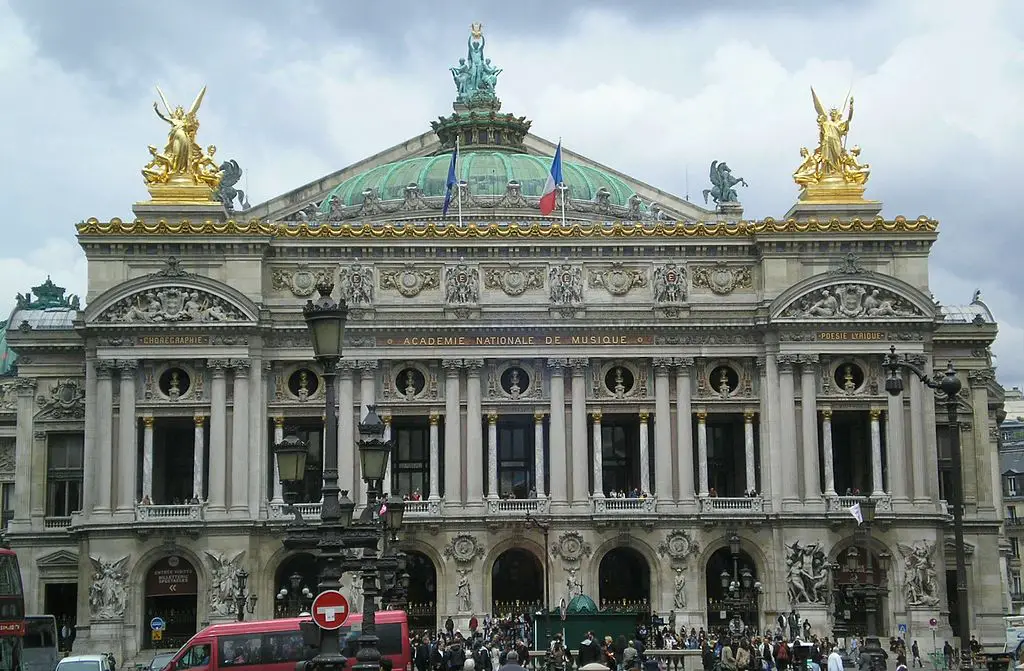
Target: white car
(85, 663)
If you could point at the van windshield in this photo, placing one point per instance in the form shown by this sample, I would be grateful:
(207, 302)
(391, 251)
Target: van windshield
(79, 665)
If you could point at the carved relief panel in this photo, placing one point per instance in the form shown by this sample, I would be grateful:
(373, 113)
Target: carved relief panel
(409, 280)
(619, 379)
(515, 380)
(726, 379)
(515, 279)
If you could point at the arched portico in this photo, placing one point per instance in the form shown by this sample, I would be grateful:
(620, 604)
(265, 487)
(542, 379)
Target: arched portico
(517, 582)
(171, 593)
(423, 591)
(624, 580)
(860, 587)
(735, 582)
(295, 584)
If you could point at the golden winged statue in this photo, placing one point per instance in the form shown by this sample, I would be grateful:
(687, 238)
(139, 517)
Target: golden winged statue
(831, 166)
(182, 168)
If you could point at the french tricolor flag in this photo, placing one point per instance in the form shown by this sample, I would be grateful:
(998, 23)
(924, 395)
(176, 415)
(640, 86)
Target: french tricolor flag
(549, 197)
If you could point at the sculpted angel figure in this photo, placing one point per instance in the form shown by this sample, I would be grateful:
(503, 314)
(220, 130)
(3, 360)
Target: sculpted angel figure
(107, 592)
(181, 156)
(832, 130)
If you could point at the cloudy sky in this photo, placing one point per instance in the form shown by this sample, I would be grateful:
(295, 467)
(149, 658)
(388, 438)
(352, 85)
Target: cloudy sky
(301, 88)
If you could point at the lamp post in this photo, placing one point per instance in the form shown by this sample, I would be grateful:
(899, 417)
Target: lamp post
(741, 589)
(244, 601)
(871, 588)
(293, 600)
(545, 528)
(949, 385)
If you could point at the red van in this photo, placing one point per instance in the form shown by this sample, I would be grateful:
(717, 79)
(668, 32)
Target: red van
(276, 645)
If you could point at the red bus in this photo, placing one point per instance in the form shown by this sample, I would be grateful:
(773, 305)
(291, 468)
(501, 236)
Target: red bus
(276, 645)
(12, 611)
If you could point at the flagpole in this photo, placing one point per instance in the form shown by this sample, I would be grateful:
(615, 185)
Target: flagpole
(458, 180)
(561, 187)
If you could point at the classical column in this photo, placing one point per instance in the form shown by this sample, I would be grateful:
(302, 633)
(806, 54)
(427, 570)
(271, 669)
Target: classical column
(492, 455)
(89, 447)
(435, 458)
(127, 439)
(388, 484)
(474, 434)
(826, 451)
(104, 435)
(771, 457)
(218, 435)
(198, 457)
(580, 493)
(748, 449)
(662, 431)
(684, 429)
(538, 453)
(918, 440)
(809, 426)
(645, 452)
(598, 456)
(348, 468)
(147, 457)
(23, 449)
(452, 431)
(240, 437)
(896, 448)
(876, 453)
(367, 397)
(559, 466)
(702, 451)
(788, 452)
(278, 495)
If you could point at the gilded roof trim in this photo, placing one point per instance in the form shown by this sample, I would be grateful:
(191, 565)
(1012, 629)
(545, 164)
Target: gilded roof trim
(511, 229)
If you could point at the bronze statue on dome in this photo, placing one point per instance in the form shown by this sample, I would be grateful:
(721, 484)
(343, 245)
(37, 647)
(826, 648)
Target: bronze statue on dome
(475, 77)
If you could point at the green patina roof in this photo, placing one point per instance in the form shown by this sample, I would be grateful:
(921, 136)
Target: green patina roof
(7, 355)
(486, 172)
(581, 604)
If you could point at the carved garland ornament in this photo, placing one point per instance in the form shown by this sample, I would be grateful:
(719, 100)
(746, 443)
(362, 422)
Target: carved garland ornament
(463, 548)
(409, 280)
(171, 305)
(618, 280)
(571, 547)
(514, 280)
(66, 400)
(301, 282)
(848, 301)
(722, 279)
(678, 546)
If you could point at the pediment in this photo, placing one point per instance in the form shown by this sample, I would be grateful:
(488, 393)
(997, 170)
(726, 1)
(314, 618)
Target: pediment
(949, 547)
(868, 298)
(172, 297)
(61, 559)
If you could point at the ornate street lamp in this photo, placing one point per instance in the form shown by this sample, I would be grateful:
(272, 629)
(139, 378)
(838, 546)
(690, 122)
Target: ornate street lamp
(741, 590)
(295, 600)
(244, 601)
(949, 384)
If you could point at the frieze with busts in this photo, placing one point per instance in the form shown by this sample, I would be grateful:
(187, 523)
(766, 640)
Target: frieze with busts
(357, 284)
(850, 301)
(172, 305)
(617, 279)
(514, 280)
(722, 278)
(409, 280)
(301, 281)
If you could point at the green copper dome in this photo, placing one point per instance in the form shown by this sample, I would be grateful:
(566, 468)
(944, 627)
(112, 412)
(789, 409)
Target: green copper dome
(485, 172)
(581, 604)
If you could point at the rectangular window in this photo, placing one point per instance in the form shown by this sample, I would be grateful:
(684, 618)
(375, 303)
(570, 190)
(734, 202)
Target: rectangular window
(945, 460)
(64, 457)
(1015, 547)
(1011, 513)
(6, 504)
(515, 457)
(312, 434)
(1015, 582)
(620, 454)
(410, 467)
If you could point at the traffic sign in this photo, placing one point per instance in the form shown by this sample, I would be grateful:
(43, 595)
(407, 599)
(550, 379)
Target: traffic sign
(330, 609)
(156, 635)
(902, 628)
(933, 623)
(157, 624)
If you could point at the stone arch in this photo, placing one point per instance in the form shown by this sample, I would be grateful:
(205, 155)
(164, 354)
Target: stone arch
(522, 544)
(860, 545)
(425, 585)
(298, 594)
(624, 577)
(593, 575)
(249, 311)
(137, 595)
(752, 547)
(914, 297)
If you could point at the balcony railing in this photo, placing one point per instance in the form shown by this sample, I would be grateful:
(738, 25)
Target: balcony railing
(732, 505)
(424, 508)
(842, 504)
(57, 522)
(514, 507)
(149, 512)
(309, 511)
(623, 507)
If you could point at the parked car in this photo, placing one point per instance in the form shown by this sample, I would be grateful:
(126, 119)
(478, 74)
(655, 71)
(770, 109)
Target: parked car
(85, 663)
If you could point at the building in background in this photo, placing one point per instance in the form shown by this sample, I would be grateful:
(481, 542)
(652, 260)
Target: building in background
(682, 392)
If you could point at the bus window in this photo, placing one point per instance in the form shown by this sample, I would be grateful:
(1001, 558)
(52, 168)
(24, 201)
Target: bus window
(195, 657)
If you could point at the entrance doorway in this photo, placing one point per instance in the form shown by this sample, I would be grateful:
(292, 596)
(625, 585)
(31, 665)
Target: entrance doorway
(422, 591)
(624, 581)
(517, 583)
(172, 588)
(733, 590)
(60, 599)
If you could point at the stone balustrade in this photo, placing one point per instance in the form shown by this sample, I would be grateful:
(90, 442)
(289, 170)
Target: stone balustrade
(424, 508)
(170, 513)
(280, 511)
(516, 507)
(732, 505)
(617, 506)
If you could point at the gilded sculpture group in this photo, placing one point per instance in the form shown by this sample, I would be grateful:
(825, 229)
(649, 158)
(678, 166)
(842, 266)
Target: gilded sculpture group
(182, 159)
(831, 162)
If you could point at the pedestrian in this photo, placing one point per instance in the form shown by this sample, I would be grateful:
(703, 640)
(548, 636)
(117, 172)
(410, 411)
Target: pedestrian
(916, 652)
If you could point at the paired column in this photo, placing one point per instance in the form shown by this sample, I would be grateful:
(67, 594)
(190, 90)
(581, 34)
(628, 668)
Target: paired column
(199, 458)
(580, 493)
(598, 456)
(877, 488)
(809, 426)
(435, 457)
(388, 484)
(492, 455)
(474, 434)
(645, 451)
(556, 432)
(218, 435)
(538, 453)
(826, 451)
(127, 439)
(896, 448)
(347, 456)
(367, 397)
(662, 430)
(702, 451)
(684, 429)
(147, 458)
(748, 447)
(771, 457)
(240, 438)
(278, 488)
(918, 441)
(104, 435)
(23, 449)
(452, 431)
(787, 426)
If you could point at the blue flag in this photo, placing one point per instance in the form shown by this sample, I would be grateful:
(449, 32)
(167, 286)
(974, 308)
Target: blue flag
(451, 181)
